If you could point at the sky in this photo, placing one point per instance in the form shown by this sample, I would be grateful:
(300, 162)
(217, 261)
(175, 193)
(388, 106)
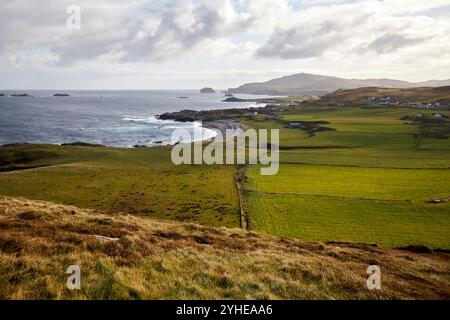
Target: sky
(189, 44)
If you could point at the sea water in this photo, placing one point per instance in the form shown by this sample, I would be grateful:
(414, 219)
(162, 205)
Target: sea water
(112, 118)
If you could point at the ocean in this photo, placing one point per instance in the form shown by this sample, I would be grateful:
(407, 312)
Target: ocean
(111, 118)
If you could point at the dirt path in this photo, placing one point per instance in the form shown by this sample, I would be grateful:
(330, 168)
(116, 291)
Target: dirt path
(243, 205)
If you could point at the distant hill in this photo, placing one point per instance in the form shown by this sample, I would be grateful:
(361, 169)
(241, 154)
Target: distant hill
(310, 84)
(434, 83)
(403, 95)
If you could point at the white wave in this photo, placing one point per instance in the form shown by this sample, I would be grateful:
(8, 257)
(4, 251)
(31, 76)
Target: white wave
(149, 120)
(207, 134)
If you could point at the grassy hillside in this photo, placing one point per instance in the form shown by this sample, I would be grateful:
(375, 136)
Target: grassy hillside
(421, 94)
(142, 182)
(369, 180)
(147, 259)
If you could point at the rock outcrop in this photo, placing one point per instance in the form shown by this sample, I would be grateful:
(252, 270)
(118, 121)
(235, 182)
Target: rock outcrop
(207, 90)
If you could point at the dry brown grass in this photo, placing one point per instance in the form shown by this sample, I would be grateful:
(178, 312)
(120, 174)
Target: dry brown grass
(162, 260)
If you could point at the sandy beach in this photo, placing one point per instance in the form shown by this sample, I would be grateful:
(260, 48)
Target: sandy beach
(222, 125)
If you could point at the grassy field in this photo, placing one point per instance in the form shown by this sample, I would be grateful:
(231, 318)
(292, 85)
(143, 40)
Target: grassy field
(354, 194)
(149, 259)
(370, 180)
(142, 182)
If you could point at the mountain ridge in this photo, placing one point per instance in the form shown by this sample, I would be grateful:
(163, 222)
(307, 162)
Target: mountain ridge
(312, 84)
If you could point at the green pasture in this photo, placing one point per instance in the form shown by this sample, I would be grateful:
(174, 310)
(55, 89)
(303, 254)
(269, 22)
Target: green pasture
(138, 181)
(370, 180)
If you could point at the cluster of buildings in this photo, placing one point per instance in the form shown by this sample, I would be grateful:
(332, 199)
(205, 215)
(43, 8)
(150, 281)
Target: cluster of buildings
(392, 101)
(426, 105)
(270, 112)
(385, 101)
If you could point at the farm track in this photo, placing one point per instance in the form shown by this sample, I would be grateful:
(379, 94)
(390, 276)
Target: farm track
(242, 203)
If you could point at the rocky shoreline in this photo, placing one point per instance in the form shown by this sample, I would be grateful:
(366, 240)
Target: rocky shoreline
(259, 100)
(219, 114)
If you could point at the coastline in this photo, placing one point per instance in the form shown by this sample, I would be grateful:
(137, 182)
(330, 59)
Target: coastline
(218, 126)
(222, 125)
(212, 121)
(120, 119)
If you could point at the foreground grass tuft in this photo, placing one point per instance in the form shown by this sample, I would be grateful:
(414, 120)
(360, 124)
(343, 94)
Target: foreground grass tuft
(129, 257)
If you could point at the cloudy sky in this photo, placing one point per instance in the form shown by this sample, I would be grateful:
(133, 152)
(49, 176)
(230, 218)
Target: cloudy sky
(187, 44)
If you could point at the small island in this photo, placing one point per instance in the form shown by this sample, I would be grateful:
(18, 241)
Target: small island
(20, 95)
(207, 90)
(61, 95)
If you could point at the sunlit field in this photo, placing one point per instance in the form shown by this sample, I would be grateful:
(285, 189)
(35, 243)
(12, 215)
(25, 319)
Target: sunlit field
(371, 180)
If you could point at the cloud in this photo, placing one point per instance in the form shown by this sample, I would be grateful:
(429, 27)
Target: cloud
(33, 25)
(119, 39)
(131, 32)
(127, 31)
(304, 41)
(377, 26)
(182, 28)
(389, 43)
